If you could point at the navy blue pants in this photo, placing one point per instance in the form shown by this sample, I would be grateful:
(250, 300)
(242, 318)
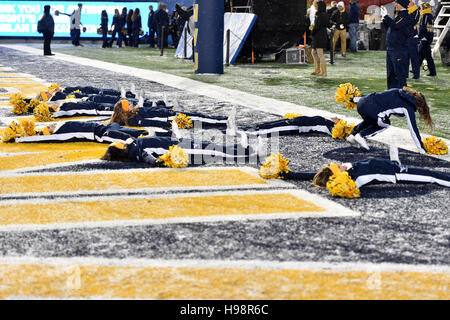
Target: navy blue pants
(425, 53)
(413, 51)
(396, 68)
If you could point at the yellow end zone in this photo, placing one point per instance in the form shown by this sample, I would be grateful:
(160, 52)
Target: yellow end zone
(27, 89)
(143, 282)
(125, 180)
(151, 208)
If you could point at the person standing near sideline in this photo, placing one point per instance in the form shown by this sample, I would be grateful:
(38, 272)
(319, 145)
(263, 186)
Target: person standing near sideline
(320, 39)
(151, 23)
(340, 20)
(75, 22)
(115, 26)
(426, 34)
(413, 40)
(129, 28)
(137, 25)
(353, 25)
(162, 21)
(121, 27)
(46, 26)
(397, 35)
(104, 25)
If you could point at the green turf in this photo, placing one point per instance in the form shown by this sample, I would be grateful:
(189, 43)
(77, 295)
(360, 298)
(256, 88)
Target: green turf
(292, 83)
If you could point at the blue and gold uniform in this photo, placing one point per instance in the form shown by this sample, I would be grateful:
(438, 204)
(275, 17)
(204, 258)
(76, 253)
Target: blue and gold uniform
(426, 34)
(399, 30)
(376, 108)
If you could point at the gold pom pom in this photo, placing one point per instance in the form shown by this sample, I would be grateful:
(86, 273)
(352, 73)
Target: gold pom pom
(53, 87)
(33, 103)
(342, 130)
(434, 145)
(28, 127)
(273, 166)
(292, 115)
(183, 121)
(176, 157)
(8, 134)
(18, 102)
(70, 96)
(42, 113)
(342, 185)
(345, 93)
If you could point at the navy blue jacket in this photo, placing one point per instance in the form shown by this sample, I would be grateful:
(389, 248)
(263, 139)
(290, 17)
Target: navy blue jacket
(162, 19)
(426, 32)
(137, 25)
(353, 13)
(399, 30)
(104, 23)
(379, 106)
(46, 24)
(415, 16)
(152, 117)
(84, 108)
(151, 23)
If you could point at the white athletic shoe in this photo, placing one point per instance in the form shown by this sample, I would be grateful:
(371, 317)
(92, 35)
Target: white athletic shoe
(244, 138)
(133, 89)
(361, 141)
(393, 154)
(352, 141)
(141, 102)
(231, 123)
(176, 130)
(123, 94)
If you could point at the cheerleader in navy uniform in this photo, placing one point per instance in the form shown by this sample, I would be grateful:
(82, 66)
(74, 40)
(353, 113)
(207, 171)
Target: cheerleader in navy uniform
(72, 131)
(88, 90)
(125, 113)
(149, 149)
(376, 108)
(376, 170)
(426, 34)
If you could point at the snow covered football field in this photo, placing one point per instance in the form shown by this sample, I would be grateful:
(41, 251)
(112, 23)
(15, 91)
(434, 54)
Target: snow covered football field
(72, 226)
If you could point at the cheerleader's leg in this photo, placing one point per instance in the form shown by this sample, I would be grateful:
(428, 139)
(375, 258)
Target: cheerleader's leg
(419, 175)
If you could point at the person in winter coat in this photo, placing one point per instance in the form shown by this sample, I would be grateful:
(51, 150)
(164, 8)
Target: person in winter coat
(115, 27)
(129, 37)
(353, 24)
(426, 38)
(137, 26)
(46, 26)
(104, 25)
(121, 28)
(152, 27)
(340, 20)
(320, 40)
(162, 21)
(399, 30)
(376, 108)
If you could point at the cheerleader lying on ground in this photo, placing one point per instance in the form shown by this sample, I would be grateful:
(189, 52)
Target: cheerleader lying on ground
(70, 131)
(176, 152)
(125, 113)
(375, 109)
(344, 180)
(292, 124)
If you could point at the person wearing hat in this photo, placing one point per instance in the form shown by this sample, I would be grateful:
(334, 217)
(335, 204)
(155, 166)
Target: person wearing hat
(413, 40)
(426, 38)
(340, 20)
(46, 26)
(398, 31)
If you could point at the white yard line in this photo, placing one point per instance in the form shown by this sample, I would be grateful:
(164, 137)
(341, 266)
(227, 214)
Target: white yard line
(222, 264)
(393, 136)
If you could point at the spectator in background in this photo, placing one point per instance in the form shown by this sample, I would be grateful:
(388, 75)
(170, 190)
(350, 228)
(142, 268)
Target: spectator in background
(320, 39)
(426, 34)
(75, 23)
(396, 44)
(340, 21)
(173, 28)
(104, 25)
(46, 26)
(115, 26)
(162, 23)
(413, 40)
(129, 28)
(332, 9)
(353, 25)
(121, 27)
(137, 26)
(151, 24)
